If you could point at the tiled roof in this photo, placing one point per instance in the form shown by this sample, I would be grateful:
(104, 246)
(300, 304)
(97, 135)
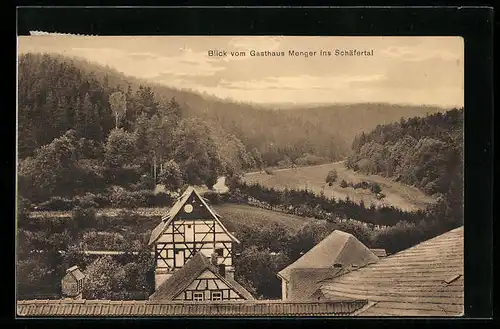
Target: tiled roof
(379, 252)
(426, 279)
(76, 308)
(181, 278)
(304, 281)
(337, 248)
(75, 272)
(160, 228)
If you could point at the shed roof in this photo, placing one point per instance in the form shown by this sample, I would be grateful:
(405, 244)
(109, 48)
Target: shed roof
(337, 248)
(424, 280)
(181, 279)
(167, 219)
(92, 308)
(75, 272)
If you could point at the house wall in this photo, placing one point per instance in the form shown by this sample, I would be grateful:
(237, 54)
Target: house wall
(207, 285)
(182, 238)
(69, 286)
(284, 289)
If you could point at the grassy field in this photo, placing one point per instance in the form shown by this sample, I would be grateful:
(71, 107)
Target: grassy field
(313, 178)
(235, 217)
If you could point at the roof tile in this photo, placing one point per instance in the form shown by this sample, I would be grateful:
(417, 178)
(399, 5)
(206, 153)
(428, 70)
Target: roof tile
(337, 248)
(410, 282)
(232, 308)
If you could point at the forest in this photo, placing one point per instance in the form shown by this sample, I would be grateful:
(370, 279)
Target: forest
(91, 138)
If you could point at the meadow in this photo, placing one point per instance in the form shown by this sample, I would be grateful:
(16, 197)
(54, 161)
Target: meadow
(312, 178)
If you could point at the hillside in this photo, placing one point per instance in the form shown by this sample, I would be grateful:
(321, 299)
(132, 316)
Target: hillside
(312, 178)
(50, 82)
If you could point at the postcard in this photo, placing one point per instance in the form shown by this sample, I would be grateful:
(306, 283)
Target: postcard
(239, 176)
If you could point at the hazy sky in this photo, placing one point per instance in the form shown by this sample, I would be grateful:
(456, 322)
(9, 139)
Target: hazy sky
(407, 70)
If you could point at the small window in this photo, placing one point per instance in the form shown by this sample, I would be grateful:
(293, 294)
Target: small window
(219, 252)
(216, 295)
(189, 225)
(198, 296)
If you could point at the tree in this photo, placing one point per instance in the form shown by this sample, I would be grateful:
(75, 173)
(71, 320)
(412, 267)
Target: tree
(331, 177)
(171, 176)
(259, 267)
(196, 152)
(101, 278)
(51, 170)
(118, 105)
(120, 148)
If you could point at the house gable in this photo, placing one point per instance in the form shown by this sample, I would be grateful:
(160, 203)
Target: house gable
(199, 280)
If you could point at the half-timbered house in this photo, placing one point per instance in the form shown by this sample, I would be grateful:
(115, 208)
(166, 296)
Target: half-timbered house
(190, 227)
(201, 280)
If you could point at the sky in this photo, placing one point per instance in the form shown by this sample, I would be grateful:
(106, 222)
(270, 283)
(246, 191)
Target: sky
(402, 70)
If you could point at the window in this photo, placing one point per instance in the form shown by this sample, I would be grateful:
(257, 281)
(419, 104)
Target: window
(219, 252)
(198, 296)
(79, 285)
(216, 295)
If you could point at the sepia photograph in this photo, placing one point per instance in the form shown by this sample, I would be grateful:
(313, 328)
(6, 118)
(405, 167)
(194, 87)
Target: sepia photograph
(239, 176)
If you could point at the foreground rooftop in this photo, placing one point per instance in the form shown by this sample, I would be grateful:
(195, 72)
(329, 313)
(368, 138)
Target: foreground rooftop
(266, 308)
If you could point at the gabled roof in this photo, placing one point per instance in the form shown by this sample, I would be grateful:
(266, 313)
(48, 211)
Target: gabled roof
(254, 308)
(75, 272)
(304, 281)
(424, 280)
(167, 219)
(337, 248)
(183, 277)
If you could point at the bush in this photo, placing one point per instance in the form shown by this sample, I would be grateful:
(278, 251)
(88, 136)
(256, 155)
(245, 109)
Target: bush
(162, 199)
(23, 210)
(83, 218)
(269, 171)
(86, 201)
(146, 182)
(102, 200)
(331, 177)
(213, 197)
(56, 203)
(343, 184)
(375, 188)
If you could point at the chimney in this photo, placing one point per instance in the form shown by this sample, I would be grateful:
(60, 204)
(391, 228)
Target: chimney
(222, 270)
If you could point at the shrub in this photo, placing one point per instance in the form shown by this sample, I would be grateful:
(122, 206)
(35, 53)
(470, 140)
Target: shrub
(146, 182)
(23, 210)
(375, 188)
(83, 218)
(86, 201)
(212, 197)
(343, 184)
(128, 217)
(162, 199)
(121, 198)
(102, 200)
(56, 203)
(331, 177)
(269, 171)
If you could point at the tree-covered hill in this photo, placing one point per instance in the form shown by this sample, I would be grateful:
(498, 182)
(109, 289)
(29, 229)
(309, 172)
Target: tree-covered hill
(58, 93)
(426, 152)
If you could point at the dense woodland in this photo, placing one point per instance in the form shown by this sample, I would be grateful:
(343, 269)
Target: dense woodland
(91, 138)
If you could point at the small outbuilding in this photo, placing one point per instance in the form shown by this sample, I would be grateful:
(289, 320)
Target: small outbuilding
(72, 283)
